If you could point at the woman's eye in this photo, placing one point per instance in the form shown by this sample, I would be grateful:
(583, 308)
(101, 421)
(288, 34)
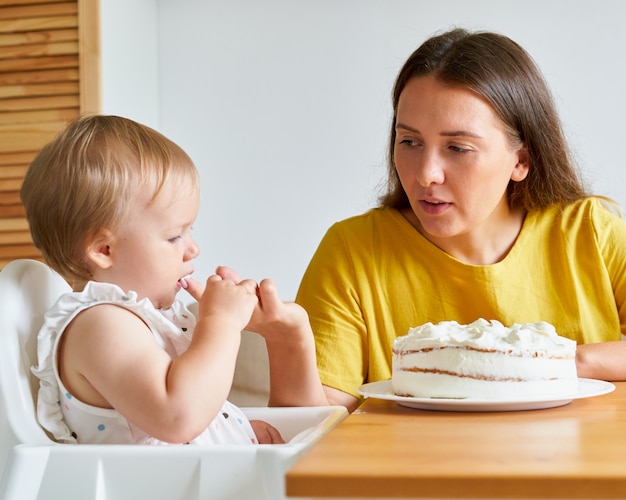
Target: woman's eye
(459, 149)
(408, 142)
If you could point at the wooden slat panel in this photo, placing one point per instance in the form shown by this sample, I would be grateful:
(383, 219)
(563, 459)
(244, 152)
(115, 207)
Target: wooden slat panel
(44, 89)
(17, 157)
(22, 237)
(15, 237)
(38, 23)
(12, 172)
(46, 76)
(49, 74)
(39, 116)
(31, 103)
(12, 211)
(10, 198)
(13, 224)
(89, 50)
(39, 49)
(39, 10)
(11, 252)
(47, 89)
(10, 184)
(39, 63)
(31, 37)
(7, 3)
(28, 138)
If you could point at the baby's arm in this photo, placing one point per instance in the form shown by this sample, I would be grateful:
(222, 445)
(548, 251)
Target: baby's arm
(294, 379)
(110, 359)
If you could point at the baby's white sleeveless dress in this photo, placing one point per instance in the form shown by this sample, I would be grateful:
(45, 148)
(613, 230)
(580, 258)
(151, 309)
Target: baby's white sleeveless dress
(72, 421)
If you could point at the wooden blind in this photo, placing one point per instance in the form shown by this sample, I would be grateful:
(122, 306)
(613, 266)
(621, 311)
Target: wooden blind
(49, 74)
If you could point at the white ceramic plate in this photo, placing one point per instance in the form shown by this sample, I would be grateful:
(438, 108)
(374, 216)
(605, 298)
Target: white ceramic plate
(587, 388)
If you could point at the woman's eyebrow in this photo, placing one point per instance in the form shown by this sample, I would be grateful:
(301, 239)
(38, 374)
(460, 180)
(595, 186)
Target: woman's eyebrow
(454, 133)
(461, 133)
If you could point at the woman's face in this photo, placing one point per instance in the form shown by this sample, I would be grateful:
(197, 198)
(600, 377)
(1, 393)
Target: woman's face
(454, 160)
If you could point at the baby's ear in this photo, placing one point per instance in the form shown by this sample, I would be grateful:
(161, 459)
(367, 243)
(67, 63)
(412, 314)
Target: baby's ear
(98, 249)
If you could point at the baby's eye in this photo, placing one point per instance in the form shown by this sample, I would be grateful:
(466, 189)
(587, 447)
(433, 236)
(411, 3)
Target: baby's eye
(174, 239)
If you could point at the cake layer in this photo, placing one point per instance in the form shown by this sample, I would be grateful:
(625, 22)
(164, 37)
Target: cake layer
(485, 365)
(431, 385)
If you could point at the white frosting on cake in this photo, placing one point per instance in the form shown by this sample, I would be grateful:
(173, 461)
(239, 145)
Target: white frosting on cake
(483, 360)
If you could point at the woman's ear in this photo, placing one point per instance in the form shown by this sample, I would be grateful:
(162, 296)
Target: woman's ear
(98, 249)
(520, 171)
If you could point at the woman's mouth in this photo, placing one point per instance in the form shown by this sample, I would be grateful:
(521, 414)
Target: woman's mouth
(434, 207)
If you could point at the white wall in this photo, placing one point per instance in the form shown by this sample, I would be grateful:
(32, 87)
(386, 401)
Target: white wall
(130, 59)
(284, 104)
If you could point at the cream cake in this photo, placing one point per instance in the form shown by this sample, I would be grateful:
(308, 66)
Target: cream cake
(483, 360)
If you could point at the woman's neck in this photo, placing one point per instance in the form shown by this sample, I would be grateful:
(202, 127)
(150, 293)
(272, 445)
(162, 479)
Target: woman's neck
(481, 247)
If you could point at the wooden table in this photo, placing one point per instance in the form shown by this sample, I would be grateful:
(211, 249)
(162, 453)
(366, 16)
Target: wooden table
(386, 450)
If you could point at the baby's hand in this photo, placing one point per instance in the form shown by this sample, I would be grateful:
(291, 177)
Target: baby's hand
(228, 274)
(273, 318)
(194, 288)
(226, 299)
(266, 433)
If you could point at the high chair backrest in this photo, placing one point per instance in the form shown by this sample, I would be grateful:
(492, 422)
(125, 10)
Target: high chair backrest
(28, 289)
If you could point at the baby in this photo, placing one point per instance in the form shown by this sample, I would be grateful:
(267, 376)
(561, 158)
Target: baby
(111, 204)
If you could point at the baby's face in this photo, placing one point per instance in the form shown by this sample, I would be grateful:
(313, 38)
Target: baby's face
(153, 250)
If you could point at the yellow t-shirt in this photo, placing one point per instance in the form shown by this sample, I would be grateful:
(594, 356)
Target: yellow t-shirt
(374, 276)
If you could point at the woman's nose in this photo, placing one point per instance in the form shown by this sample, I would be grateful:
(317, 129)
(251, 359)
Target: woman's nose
(429, 169)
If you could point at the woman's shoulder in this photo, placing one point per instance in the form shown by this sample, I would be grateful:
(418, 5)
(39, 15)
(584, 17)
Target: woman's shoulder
(595, 216)
(585, 208)
(366, 221)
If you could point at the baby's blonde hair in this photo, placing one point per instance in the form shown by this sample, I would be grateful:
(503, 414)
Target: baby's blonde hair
(86, 180)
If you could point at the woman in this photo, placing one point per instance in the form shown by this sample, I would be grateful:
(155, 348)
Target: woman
(484, 216)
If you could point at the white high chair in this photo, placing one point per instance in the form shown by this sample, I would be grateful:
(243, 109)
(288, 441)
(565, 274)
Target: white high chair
(32, 466)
